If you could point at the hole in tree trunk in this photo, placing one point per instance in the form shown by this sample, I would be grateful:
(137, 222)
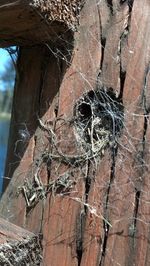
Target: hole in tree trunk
(99, 117)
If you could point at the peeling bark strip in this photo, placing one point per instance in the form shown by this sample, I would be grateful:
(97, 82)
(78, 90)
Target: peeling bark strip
(89, 202)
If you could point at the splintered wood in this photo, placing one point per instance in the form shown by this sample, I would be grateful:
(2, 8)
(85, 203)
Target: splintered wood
(18, 246)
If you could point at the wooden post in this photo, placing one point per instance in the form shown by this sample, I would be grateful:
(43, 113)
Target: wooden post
(82, 176)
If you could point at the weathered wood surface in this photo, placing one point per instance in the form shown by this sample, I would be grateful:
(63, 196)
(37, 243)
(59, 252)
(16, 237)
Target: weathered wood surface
(28, 22)
(104, 219)
(18, 246)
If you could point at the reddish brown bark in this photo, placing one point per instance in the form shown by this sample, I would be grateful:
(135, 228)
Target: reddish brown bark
(104, 217)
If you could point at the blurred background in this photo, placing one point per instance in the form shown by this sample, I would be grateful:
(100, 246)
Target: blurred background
(8, 59)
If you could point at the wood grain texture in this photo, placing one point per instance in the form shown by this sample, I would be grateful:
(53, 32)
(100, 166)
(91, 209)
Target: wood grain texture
(104, 218)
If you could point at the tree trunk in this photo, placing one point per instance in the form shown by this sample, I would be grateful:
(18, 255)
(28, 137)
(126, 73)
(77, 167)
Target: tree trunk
(78, 149)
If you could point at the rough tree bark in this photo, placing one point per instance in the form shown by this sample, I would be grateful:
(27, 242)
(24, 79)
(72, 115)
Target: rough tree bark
(96, 213)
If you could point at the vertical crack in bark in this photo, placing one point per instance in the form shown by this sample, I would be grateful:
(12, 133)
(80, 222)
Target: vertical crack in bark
(130, 4)
(102, 41)
(142, 154)
(135, 214)
(122, 42)
(122, 80)
(110, 5)
(79, 235)
(82, 218)
(87, 186)
(122, 70)
(106, 222)
(132, 229)
(144, 94)
(34, 147)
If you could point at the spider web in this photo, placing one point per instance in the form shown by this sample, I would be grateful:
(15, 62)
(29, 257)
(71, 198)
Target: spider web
(108, 130)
